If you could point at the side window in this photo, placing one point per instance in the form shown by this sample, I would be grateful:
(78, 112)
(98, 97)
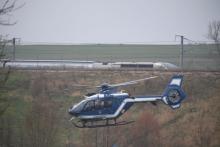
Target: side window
(108, 103)
(98, 104)
(89, 106)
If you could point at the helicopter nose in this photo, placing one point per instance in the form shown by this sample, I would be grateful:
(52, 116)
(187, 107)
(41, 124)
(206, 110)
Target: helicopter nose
(71, 111)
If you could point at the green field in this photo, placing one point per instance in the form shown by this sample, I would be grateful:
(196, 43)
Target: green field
(195, 56)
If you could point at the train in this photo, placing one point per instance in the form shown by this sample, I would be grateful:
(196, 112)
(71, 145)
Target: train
(71, 64)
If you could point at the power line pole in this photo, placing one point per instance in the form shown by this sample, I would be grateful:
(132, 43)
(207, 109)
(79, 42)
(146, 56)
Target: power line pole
(181, 54)
(182, 38)
(13, 42)
(181, 51)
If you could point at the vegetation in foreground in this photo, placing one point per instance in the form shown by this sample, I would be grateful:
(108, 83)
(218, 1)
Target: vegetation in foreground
(34, 108)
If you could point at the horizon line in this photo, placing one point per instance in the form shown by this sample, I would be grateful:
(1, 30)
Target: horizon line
(116, 43)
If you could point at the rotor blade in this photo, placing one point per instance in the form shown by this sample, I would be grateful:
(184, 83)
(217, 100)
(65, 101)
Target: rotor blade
(132, 82)
(100, 86)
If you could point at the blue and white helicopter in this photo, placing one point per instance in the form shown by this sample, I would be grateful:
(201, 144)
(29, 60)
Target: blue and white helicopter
(108, 104)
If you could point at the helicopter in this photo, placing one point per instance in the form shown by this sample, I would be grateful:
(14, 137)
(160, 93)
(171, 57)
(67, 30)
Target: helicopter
(109, 104)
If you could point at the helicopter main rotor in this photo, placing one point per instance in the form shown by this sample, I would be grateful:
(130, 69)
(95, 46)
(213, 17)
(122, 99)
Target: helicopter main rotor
(105, 86)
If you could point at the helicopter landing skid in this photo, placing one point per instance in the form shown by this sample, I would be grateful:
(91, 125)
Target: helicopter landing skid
(80, 124)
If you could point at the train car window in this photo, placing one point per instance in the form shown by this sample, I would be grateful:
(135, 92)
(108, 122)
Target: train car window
(89, 106)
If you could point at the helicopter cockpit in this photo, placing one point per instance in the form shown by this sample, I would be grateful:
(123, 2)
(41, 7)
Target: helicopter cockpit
(90, 105)
(97, 104)
(77, 108)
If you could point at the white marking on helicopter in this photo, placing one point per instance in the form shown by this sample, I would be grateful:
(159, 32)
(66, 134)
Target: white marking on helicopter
(101, 96)
(176, 82)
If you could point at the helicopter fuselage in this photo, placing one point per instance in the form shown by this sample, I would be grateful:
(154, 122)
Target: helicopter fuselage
(106, 106)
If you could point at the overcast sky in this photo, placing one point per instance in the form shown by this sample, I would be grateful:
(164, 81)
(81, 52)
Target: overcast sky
(112, 21)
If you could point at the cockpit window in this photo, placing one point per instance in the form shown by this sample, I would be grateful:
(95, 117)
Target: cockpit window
(79, 106)
(90, 105)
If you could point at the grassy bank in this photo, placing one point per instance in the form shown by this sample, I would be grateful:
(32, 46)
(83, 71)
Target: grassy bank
(38, 102)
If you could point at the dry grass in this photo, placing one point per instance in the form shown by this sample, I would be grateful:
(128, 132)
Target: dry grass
(196, 123)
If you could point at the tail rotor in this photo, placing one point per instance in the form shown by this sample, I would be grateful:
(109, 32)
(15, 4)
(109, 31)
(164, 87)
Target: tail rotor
(174, 94)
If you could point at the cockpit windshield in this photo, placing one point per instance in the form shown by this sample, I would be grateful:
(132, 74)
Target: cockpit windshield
(78, 107)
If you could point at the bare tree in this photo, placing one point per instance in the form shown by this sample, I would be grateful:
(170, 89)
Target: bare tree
(4, 75)
(2, 47)
(6, 9)
(214, 33)
(6, 127)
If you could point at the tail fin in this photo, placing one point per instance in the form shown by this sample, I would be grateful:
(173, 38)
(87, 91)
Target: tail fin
(173, 94)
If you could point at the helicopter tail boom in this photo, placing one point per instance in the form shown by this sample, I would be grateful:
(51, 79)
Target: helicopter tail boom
(174, 94)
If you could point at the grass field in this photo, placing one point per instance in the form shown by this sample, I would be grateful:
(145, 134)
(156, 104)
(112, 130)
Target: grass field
(203, 56)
